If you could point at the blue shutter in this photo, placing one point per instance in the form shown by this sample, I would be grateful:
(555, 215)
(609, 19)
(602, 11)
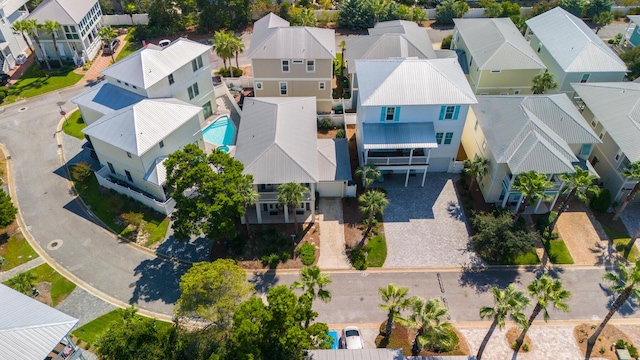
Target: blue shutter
(455, 114)
(442, 110)
(397, 114)
(383, 113)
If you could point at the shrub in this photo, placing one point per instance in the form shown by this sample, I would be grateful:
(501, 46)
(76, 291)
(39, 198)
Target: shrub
(285, 256)
(271, 260)
(325, 124)
(358, 259)
(340, 134)
(602, 201)
(225, 72)
(4, 91)
(617, 14)
(634, 11)
(525, 347)
(81, 171)
(7, 210)
(446, 42)
(545, 220)
(132, 218)
(500, 238)
(615, 40)
(307, 253)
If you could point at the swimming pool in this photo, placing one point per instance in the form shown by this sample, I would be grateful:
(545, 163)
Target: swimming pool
(220, 132)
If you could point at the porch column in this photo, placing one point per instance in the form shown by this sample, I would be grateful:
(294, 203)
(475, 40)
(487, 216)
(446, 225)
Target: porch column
(313, 201)
(259, 212)
(406, 178)
(555, 198)
(506, 195)
(535, 210)
(428, 155)
(410, 156)
(286, 214)
(366, 157)
(519, 202)
(424, 175)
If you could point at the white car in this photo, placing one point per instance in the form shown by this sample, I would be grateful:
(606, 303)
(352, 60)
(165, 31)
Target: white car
(164, 43)
(352, 338)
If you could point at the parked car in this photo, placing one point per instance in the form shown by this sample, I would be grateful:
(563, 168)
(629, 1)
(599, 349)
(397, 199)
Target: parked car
(352, 338)
(164, 43)
(110, 48)
(4, 79)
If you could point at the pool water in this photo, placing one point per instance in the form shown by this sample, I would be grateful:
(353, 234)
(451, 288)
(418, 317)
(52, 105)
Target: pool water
(334, 335)
(220, 132)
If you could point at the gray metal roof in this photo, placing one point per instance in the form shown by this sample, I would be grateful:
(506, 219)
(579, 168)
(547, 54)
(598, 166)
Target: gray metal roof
(333, 160)
(617, 107)
(152, 63)
(533, 132)
(496, 44)
(138, 128)
(275, 39)
(362, 354)
(66, 12)
(634, 18)
(573, 44)
(106, 98)
(407, 135)
(157, 173)
(277, 140)
(29, 329)
(412, 82)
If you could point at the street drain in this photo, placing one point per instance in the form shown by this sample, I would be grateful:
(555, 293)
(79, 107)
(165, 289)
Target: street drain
(23, 109)
(132, 285)
(54, 245)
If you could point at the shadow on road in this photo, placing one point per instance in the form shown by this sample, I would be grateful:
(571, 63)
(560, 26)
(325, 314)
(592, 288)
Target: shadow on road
(194, 250)
(159, 280)
(483, 278)
(264, 280)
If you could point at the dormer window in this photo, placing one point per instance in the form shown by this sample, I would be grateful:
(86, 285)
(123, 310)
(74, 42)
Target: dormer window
(161, 144)
(171, 80)
(285, 66)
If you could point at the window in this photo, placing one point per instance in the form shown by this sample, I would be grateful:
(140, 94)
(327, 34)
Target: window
(594, 123)
(618, 155)
(126, 84)
(585, 150)
(129, 155)
(484, 144)
(298, 62)
(447, 138)
(585, 78)
(135, 87)
(207, 109)
(285, 66)
(321, 85)
(193, 91)
(449, 112)
(475, 127)
(128, 175)
(196, 63)
(119, 82)
(496, 71)
(258, 85)
(594, 161)
(439, 138)
(390, 114)
(539, 46)
(161, 144)
(311, 66)
(602, 133)
(470, 60)
(283, 89)
(171, 80)
(516, 92)
(199, 58)
(111, 168)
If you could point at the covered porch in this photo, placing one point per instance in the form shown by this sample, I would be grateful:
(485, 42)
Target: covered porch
(268, 210)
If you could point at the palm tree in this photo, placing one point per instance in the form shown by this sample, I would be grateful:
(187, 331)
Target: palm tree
(130, 9)
(461, 7)
(368, 173)
(475, 168)
(395, 300)
(427, 317)
(543, 82)
(237, 46)
(291, 195)
(223, 48)
(635, 237)
(579, 184)
(372, 202)
(601, 20)
(108, 34)
(23, 27)
(547, 291)
(34, 26)
(632, 172)
(249, 195)
(380, 8)
(625, 285)
(23, 282)
(53, 27)
(507, 303)
(532, 185)
(311, 278)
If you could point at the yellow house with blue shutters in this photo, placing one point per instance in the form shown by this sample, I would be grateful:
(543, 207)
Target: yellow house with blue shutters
(410, 114)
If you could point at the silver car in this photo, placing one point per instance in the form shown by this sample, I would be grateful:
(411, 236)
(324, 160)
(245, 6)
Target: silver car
(352, 338)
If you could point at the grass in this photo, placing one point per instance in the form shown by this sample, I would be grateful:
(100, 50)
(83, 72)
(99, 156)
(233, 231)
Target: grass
(621, 244)
(60, 286)
(36, 82)
(558, 252)
(90, 332)
(377, 250)
(129, 48)
(16, 251)
(618, 235)
(74, 125)
(530, 258)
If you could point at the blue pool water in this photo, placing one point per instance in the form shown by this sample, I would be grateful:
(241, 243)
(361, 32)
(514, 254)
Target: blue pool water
(334, 335)
(220, 132)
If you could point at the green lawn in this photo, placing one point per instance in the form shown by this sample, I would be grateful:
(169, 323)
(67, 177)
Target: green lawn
(37, 82)
(90, 332)
(16, 251)
(620, 239)
(620, 245)
(129, 48)
(74, 125)
(558, 252)
(530, 258)
(377, 250)
(60, 286)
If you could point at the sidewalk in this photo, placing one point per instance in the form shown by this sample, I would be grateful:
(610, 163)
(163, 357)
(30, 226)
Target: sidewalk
(6, 275)
(100, 63)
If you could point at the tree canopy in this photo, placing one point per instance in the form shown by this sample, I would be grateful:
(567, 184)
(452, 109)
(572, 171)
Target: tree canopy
(631, 58)
(445, 12)
(7, 210)
(597, 7)
(499, 238)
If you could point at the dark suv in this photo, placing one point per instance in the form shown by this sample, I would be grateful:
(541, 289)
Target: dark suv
(110, 48)
(4, 79)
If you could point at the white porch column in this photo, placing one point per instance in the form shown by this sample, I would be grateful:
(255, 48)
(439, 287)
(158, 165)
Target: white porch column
(555, 198)
(313, 200)
(424, 176)
(286, 214)
(259, 212)
(535, 210)
(366, 157)
(506, 195)
(406, 178)
(410, 156)
(519, 202)
(428, 155)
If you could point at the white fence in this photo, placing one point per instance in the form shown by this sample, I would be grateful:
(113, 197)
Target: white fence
(134, 19)
(336, 119)
(242, 81)
(162, 207)
(350, 190)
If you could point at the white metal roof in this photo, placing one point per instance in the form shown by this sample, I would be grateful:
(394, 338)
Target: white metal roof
(152, 63)
(138, 128)
(409, 135)
(573, 44)
(412, 82)
(157, 173)
(106, 98)
(29, 329)
(333, 160)
(634, 19)
(10, 6)
(66, 12)
(277, 141)
(617, 107)
(275, 39)
(496, 44)
(361, 354)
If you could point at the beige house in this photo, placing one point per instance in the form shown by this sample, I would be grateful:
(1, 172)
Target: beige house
(612, 110)
(545, 133)
(495, 56)
(292, 61)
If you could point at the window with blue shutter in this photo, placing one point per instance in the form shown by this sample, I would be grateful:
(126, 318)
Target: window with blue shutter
(456, 112)
(449, 112)
(442, 110)
(383, 113)
(397, 116)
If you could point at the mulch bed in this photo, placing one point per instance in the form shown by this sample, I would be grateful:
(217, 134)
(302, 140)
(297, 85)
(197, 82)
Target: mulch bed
(403, 337)
(512, 335)
(603, 347)
(472, 199)
(327, 134)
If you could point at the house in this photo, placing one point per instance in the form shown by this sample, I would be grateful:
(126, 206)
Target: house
(410, 114)
(30, 329)
(572, 52)
(292, 61)
(498, 59)
(631, 34)
(78, 38)
(277, 143)
(12, 45)
(389, 39)
(545, 133)
(613, 110)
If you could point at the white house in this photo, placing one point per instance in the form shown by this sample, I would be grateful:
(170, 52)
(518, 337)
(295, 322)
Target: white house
(78, 39)
(410, 114)
(11, 44)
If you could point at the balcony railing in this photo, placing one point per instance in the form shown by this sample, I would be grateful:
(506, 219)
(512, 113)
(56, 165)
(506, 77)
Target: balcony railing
(273, 196)
(397, 160)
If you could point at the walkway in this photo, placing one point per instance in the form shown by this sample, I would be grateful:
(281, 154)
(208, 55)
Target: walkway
(332, 250)
(100, 63)
(6, 275)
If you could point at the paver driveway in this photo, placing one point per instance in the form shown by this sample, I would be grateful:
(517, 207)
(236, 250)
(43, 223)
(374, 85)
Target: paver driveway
(426, 226)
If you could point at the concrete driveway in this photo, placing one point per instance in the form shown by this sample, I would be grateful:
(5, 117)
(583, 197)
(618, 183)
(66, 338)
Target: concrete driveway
(425, 227)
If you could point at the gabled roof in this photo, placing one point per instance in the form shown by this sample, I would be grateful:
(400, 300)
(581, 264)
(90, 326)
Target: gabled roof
(106, 98)
(573, 44)
(138, 128)
(533, 132)
(616, 105)
(11, 6)
(634, 19)
(390, 39)
(66, 12)
(333, 160)
(496, 44)
(277, 140)
(273, 38)
(157, 173)
(153, 63)
(29, 329)
(412, 82)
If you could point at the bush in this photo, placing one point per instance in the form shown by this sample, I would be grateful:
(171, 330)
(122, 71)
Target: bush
(307, 253)
(446, 42)
(500, 238)
(132, 218)
(634, 11)
(271, 260)
(601, 202)
(81, 171)
(340, 134)
(617, 14)
(225, 72)
(545, 220)
(615, 40)
(325, 124)
(285, 256)
(358, 259)
(7, 210)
